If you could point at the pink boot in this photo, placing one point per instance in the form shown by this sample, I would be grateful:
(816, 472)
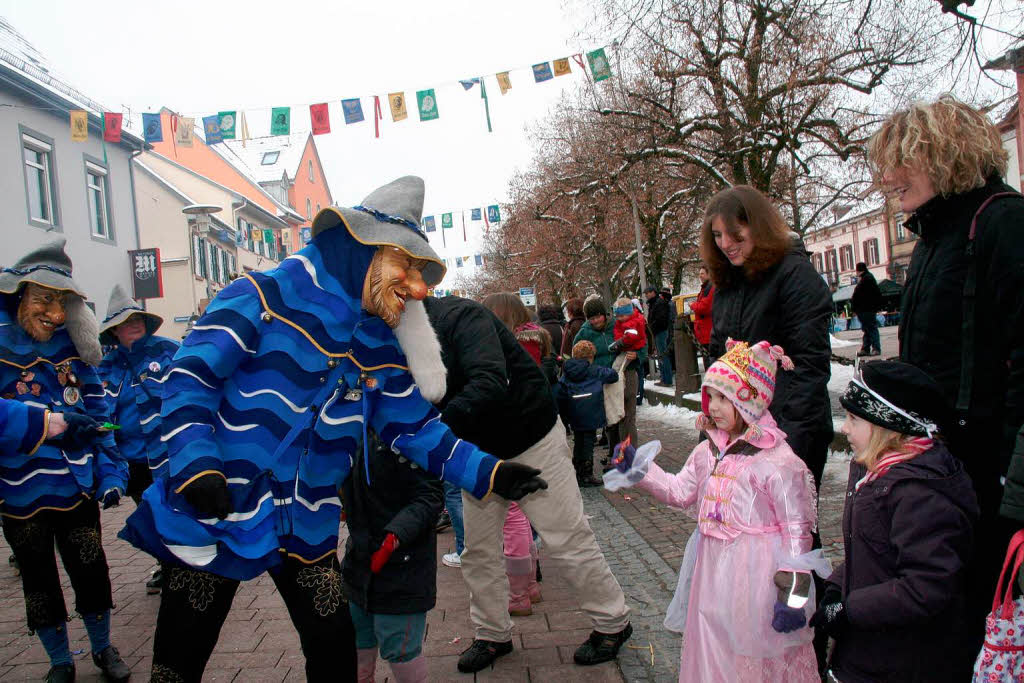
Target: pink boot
(413, 671)
(534, 589)
(519, 577)
(366, 664)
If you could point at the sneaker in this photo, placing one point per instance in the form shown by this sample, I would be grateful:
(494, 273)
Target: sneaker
(452, 560)
(62, 673)
(155, 583)
(110, 663)
(601, 647)
(481, 654)
(444, 521)
(589, 482)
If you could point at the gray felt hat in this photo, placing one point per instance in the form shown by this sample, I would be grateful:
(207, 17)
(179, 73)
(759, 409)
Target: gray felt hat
(120, 308)
(390, 215)
(47, 266)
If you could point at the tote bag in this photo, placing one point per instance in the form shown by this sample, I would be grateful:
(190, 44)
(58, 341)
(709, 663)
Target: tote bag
(1002, 655)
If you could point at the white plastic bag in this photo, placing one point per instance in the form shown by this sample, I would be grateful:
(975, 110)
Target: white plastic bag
(615, 480)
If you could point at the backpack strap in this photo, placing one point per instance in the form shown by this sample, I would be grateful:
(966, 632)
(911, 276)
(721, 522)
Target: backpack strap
(963, 399)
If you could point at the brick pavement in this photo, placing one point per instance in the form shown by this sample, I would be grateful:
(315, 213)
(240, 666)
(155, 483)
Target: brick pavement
(643, 542)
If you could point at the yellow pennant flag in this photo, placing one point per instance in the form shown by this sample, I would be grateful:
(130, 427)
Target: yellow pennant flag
(185, 131)
(398, 110)
(244, 128)
(79, 125)
(504, 82)
(562, 66)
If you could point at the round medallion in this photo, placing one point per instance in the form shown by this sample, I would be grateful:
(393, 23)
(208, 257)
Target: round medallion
(71, 395)
(743, 393)
(154, 367)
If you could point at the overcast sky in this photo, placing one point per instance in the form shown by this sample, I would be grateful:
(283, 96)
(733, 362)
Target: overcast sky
(198, 58)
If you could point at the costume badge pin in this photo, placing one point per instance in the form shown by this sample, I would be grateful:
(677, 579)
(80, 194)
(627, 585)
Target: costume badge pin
(71, 395)
(154, 367)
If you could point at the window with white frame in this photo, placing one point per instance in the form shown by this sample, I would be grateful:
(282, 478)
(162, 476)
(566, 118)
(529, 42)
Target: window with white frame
(214, 262)
(831, 265)
(901, 232)
(816, 259)
(199, 260)
(311, 178)
(871, 252)
(846, 257)
(37, 157)
(96, 189)
(233, 264)
(225, 271)
(309, 209)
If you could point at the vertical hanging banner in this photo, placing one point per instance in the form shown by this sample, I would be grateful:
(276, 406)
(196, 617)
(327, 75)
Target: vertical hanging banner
(305, 235)
(378, 116)
(268, 236)
(152, 128)
(599, 64)
(398, 110)
(227, 121)
(320, 118)
(211, 129)
(353, 110)
(474, 214)
(185, 131)
(147, 275)
(427, 104)
(487, 104)
(112, 126)
(240, 237)
(462, 215)
(504, 82)
(428, 224)
(281, 121)
(542, 72)
(493, 215)
(562, 66)
(243, 128)
(79, 125)
(446, 220)
(469, 83)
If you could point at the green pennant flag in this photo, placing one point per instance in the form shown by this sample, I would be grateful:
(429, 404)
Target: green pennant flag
(227, 124)
(281, 121)
(268, 236)
(599, 66)
(446, 220)
(428, 104)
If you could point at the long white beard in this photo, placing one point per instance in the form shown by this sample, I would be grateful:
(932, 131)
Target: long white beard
(84, 330)
(423, 351)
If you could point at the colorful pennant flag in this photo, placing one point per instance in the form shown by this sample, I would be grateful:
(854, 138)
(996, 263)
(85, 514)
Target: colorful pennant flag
(281, 121)
(562, 66)
(504, 82)
(320, 117)
(112, 126)
(268, 236)
(184, 130)
(542, 72)
(428, 224)
(243, 128)
(211, 129)
(474, 214)
(446, 220)
(257, 235)
(599, 64)
(397, 102)
(152, 128)
(487, 104)
(353, 110)
(378, 116)
(493, 215)
(469, 83)
(79, 125)
(227, 120)
(240, 234)
(427, 104)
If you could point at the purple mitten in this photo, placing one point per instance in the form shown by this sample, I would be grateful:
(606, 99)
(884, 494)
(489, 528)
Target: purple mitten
(786, 619)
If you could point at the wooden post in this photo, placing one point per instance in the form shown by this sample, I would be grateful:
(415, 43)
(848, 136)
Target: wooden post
(687, 370)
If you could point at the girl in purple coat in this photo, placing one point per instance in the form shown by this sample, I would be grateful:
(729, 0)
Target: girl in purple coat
(895, 606)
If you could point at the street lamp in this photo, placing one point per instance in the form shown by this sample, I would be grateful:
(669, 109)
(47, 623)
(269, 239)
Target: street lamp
(198, 214)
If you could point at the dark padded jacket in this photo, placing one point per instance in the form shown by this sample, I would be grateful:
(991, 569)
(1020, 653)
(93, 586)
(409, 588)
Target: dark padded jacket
(580, 394)
(907, 538)
(657, 315)
(931, 334)
(867, 297)
(789, 305)
(498, 398)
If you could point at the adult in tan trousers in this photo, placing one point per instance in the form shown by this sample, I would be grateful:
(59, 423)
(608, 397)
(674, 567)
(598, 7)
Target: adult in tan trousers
(499, 400)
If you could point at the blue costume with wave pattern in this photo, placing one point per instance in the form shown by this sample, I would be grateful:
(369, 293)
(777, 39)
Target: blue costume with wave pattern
(274, 388)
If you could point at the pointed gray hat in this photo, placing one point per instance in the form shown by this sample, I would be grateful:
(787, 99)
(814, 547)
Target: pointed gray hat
(391, 216)
(47, 266)
(120, 308)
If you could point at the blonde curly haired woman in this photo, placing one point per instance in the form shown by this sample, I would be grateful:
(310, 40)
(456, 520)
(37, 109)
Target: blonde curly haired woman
(944, 163)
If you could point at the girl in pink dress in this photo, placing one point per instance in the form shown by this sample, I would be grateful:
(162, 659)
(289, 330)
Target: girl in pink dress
(745, 590)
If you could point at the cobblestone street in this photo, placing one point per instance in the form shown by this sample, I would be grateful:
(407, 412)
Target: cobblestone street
(643, 542)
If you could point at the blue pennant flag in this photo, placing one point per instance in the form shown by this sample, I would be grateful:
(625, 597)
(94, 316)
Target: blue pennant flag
(542, 72)
(475, 215)
(428, 224)
(469, 83)
(305, 234)
(152, 129)
(353, 110)
(211, 128)
(493, 215)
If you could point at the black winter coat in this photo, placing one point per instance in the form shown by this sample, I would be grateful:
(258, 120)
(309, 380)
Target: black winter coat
(580, 394)
(788, 305)
(907, 538)
(867, 297)
(550, 318)
(498, 398)
(401, 499)
(931, 335)
(657, 315)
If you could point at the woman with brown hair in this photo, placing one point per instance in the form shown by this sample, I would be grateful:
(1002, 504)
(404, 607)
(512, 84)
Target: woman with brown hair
(962, 311)
(535, 339)
(766, 288)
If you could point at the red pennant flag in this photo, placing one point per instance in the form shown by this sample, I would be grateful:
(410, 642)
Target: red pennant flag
(321, 119)
(578, 58)
(377, 117)
(112, 127)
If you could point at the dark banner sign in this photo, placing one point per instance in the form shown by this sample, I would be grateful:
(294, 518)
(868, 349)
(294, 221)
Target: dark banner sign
(147, 276)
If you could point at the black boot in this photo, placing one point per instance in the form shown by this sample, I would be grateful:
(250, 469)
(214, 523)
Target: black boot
(601, 647)
(62, 673)
(481, 654)
(113, 667)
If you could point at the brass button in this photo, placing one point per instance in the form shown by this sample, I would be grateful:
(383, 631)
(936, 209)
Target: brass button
(267, 317)
(332, 363)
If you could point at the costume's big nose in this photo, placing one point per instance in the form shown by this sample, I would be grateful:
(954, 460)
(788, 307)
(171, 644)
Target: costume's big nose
(417, 287)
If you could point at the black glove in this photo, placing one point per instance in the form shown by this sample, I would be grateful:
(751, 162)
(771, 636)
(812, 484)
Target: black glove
(209, 496)
(111, 499)
(831, 616)
(616, 346)
(514, 480)
(81, 432)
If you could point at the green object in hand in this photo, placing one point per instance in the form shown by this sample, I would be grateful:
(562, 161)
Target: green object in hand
(108, 426)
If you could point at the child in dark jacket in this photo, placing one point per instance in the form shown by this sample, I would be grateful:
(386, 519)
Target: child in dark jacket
(895, 605)
(580, 398)
(389, 571)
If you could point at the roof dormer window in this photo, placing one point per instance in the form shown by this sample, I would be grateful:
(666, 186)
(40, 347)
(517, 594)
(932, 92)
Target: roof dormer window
(270, 158)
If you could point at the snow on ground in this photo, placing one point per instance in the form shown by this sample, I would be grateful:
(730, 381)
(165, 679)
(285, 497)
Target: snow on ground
(838, 343)
(841, 376)
(649, 385)
(676, 416)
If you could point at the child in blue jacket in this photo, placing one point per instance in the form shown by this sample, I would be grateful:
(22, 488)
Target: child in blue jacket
(580, 398)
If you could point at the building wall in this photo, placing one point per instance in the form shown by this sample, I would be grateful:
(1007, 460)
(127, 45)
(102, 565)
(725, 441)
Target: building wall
(1013, 165)
(853, 233)
(98, 264)
(302, 188)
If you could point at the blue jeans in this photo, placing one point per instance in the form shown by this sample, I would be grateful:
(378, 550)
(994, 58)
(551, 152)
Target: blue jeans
(453, 503)
(399, 636)
(661, 341)
(869, 323)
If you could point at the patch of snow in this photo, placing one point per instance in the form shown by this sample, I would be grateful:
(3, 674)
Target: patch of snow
(695, 396)
(839, 456)
(841, 376)
(676, 416)
(649, 385)
(838, 343)
(837, 424)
